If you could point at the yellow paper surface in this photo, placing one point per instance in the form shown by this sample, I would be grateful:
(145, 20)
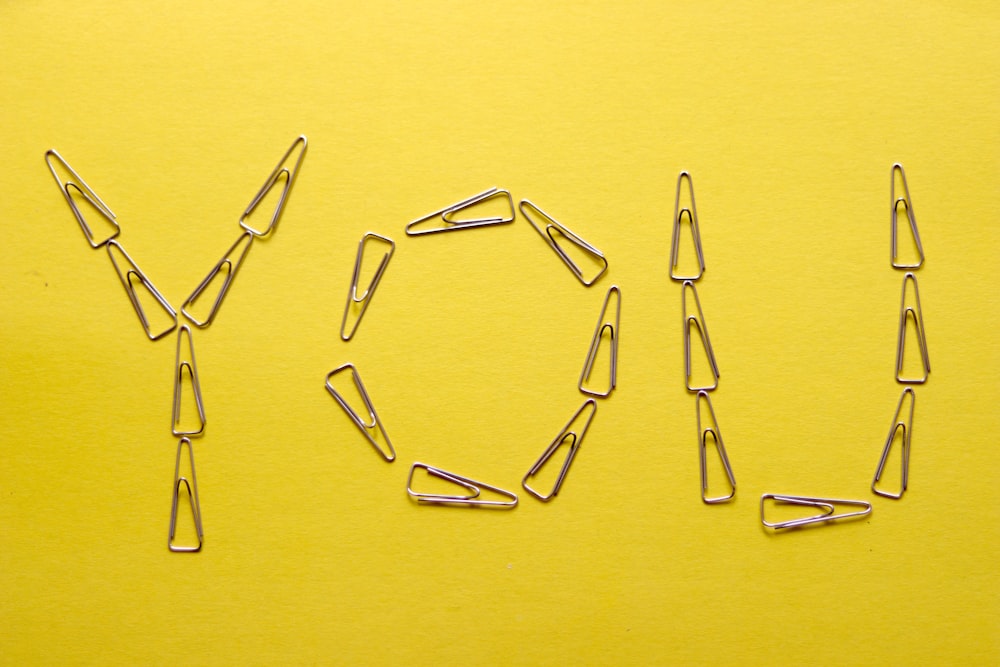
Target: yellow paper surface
(788, 116)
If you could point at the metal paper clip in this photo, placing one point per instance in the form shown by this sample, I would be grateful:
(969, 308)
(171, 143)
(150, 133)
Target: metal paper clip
(917, 315)
(827, 507)
(134, 272)
(227, 265)
(192, 491)
(716, 436)
(907, 203)
(595, 343)
(449, 224)
(366, 427)
(365, 297)
(88, 194)
(471, 486)
(907, 429)
(182, 365)
(280, 172)
(692, 216)
(551, 225)
(699, 323)
(566, 436)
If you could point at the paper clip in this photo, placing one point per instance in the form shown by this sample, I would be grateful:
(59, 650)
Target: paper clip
(188, 364)
(692, 216)
(699, 323)
(907, 428)
(230, 267)
(827, 507)
(566, 436)
(595, 343)
(134, 272)
(365, 297)
(88, 194)
(192, 491)
(449, 224)
(905, 314)
(908, 206)
(716, 435)
(470, 499)
(280, 172)
(366, 427)
(553, 225)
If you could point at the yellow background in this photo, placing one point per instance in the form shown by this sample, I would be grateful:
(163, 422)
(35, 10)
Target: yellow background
(788, 115)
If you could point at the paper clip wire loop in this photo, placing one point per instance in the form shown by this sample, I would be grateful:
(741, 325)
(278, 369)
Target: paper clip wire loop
(366, 427)
(699, 323)
(231, 268)
(551, 225)
(192, 490)
(675, 243)
(716, 435)
(279, 172)
(471, 486)
(917, 315)
(449, 224)
(134, 272)
(573, 439)
(87, 193)
(365, 297)
(827, 507)
(595, 343)
(907, 428)
(908, 206)
(189, 365)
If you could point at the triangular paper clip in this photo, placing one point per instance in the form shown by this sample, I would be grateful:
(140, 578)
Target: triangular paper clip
(595, 343)
(231, 267)
(716, 435)
(568, 436)
(906, 313)
(469, 499)
(698, 322)
(551, 225)
(365, 297)
(134, 273)
(88, 194)
(448, 222)
(280, 172)
(192, 490)
(827, 507)
(675, 244)
(907, 203)
(366, 427)
(187, 364)
(907, 428)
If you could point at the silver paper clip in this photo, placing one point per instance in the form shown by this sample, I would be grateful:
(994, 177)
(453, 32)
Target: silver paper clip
(450, 224)
(552, 225)
(471, 487)
(704, 433)
(228, 267)
(907, 429)
(907, 203)
(192, 491)
(595, 343)
(365, 297)
(692, 216)
(129, 279)
(906, 313)
(182, 365)
(698, 322)
(571, 437)
(827, 510)
(367, 427)
(81, 188)
(280, 173)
